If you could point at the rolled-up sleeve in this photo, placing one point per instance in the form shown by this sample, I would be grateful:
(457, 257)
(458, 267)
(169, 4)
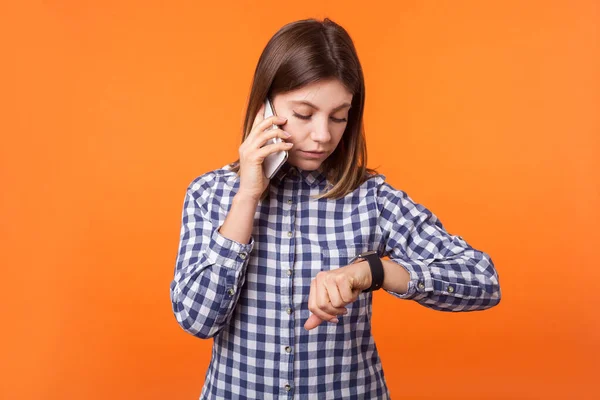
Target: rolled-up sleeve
(446, 273)
(210, 268)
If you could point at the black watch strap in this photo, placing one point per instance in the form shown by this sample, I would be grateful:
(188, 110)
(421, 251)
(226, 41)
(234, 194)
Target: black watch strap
(376, 269)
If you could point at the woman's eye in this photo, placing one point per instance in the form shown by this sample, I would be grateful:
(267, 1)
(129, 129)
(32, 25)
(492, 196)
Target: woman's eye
(302, 116)
(306, 117)
(338, 119)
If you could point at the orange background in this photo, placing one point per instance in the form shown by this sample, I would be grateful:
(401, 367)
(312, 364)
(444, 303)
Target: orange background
(485, 112)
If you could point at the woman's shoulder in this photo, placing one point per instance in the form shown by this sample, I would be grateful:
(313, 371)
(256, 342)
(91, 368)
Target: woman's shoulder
(223, 178)
(377, 184)
(374, 181)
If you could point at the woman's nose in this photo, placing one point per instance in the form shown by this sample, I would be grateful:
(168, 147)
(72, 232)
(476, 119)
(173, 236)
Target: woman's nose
(321, 133)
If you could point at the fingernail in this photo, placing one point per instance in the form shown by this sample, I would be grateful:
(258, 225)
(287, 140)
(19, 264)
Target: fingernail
(282, 118)
(287, 134)
(335, 320)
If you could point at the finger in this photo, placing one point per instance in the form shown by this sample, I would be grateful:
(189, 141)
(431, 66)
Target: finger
(323, 300)
(267, 123)
(335, 305)
(313, 303)
(263, 152)
(312, 322)
(324, 289)
(346, 293)
(259, 140)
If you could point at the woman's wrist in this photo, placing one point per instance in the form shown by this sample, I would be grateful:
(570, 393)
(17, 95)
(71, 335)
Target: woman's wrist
(246, 198)
(240, 220)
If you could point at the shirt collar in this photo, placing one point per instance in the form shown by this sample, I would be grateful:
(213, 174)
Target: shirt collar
(312, 178)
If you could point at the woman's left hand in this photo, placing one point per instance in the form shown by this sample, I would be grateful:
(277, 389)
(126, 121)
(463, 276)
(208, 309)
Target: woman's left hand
(331, 290)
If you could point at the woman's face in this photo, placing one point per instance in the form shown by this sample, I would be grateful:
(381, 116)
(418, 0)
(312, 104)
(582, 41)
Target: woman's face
(317, 115)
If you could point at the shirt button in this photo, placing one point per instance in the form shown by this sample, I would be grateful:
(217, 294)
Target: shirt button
(290, 233)
(288, 349)
(289, 311)
(288, 387)
(290, 201)
(243, 255)
(421, 285)
(230, 291)
(451, 289)
(289, 272)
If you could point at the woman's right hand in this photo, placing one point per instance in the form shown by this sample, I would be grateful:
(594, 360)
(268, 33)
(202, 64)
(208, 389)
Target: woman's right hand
(252, 178)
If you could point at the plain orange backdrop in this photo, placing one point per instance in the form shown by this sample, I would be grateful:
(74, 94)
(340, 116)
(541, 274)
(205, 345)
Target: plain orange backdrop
(486, 112)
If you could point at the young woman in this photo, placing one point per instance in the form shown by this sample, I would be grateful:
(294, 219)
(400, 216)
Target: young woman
(281, 272)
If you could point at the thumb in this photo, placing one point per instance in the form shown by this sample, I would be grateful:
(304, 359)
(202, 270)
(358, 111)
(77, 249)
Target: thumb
(312, 322)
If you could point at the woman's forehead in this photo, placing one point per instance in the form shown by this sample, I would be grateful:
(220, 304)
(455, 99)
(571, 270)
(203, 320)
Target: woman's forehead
(322, 94)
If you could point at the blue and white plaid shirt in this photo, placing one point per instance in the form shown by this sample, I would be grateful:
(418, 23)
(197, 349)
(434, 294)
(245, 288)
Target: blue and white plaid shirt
(253, 298)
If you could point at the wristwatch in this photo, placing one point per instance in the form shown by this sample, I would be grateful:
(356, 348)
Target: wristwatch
(376, 269)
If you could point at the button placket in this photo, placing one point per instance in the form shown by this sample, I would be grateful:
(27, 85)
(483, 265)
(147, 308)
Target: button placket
(287, 254)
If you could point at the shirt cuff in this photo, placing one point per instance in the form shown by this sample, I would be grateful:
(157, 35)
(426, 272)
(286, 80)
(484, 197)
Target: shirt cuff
(420, 278)
(226, 252)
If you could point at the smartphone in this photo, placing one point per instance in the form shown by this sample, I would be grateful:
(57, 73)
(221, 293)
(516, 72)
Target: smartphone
(274, 161)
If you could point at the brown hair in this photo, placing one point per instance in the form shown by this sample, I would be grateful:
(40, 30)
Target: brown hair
(303, 52)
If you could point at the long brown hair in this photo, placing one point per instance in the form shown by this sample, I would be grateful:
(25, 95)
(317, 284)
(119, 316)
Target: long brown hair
(303, 52)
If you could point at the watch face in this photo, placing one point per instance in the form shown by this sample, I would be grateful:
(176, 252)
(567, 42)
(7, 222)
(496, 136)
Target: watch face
(363, 255)
(366, 253)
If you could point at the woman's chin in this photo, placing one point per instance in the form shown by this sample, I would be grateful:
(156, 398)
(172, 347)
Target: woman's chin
(306, 165)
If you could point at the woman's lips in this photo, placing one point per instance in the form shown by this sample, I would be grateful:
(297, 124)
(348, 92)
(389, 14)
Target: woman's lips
(311, 154)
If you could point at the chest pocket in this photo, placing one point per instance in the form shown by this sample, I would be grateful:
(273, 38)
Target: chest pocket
(337, 257)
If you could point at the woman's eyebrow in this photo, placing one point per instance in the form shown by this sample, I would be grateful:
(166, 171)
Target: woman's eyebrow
(344, 105)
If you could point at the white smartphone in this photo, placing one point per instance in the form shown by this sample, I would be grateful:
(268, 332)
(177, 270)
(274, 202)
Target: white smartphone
(274, 161)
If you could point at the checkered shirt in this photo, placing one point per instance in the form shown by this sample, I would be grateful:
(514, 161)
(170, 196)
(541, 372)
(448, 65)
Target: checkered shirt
(252, 298)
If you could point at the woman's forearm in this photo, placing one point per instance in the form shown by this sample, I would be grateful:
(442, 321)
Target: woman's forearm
(395, 277)
(240, 220)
